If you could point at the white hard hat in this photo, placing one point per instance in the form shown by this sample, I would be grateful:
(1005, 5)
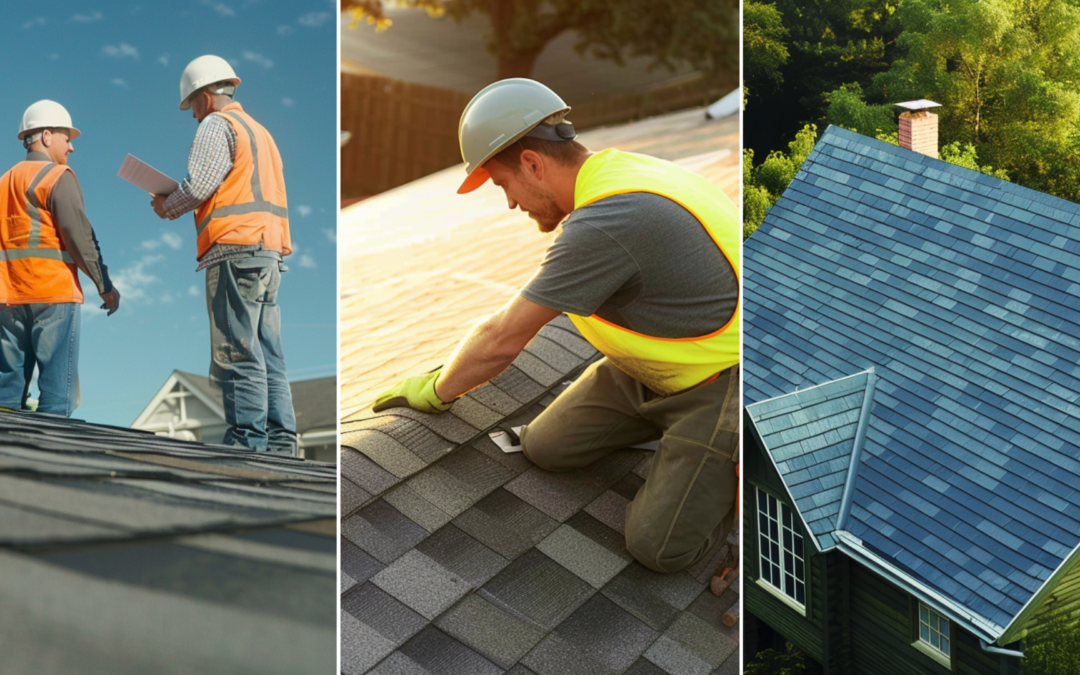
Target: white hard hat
(501, 114)
(46, 114)
(201, 72)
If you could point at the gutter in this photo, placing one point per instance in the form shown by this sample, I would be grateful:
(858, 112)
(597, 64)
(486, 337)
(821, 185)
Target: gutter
(984, 629)
(998, 650)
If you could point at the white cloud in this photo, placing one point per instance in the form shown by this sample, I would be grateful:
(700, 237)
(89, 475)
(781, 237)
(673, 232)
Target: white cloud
(119, 82)
(163, 59)
(304, 210)
(219, 7)
(172, 240)
(134, 279)
(193, 291)
(259, 59)
(288, 102)
(314, 19)
(307, 261)
(36, 21)
(166, 298)
(123, 50)
(87, 18)
(285, 30)
(331, 234)
(54, 57)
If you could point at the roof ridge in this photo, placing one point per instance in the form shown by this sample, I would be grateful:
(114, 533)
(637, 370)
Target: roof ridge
(856, 452)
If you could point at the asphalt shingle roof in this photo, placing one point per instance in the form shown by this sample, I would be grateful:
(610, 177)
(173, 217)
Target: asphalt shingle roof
(125, 552)
(459, 558)
(961, 291)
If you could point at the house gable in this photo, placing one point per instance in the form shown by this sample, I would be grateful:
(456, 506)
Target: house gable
(960, 291)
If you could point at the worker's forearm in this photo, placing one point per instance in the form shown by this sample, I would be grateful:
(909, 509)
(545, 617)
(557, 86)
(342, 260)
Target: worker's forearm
(479, 357)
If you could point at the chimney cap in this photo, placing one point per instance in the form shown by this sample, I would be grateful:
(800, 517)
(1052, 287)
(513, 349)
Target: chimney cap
(915, 106)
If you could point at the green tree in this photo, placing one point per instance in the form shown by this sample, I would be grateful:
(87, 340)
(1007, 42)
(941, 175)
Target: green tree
(702, 33)
(764, 52)
(756, 199)
(835, 41)
(772, 662)
(763, 185)
(1054, 649)
(1008, 75)
(848, 110)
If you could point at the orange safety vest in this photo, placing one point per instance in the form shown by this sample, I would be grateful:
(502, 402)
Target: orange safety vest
(249, 206)
(665, 365)
(34, 266)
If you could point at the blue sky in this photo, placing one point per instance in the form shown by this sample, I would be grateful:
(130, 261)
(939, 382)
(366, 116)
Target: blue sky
(116, 67)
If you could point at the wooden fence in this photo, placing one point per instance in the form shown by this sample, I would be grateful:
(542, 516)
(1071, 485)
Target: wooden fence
(401, 131)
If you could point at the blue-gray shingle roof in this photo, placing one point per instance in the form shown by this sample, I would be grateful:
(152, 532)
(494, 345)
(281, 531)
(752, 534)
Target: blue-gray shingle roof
(961, 290)
(811, 437)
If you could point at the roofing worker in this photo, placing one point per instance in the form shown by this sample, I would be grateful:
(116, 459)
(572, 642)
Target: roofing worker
(46, 239)
(647, 268)
(236, 188)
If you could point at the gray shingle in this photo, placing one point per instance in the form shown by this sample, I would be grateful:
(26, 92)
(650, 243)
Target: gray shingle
(439, 653)
(462, 555)
(597, 638)
(581, 555)
(495, 634)
(537, 589)
(421, 583)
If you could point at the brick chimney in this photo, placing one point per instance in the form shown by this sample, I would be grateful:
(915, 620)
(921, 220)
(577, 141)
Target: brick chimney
(918, 127)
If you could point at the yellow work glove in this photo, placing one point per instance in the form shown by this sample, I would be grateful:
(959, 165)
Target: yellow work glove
(416, 392)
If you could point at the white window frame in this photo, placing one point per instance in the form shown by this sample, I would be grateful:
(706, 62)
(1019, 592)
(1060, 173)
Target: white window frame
(935, 626)
(776, 524)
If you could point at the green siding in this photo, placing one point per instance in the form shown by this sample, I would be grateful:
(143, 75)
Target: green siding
(804, 632)
(881, 634)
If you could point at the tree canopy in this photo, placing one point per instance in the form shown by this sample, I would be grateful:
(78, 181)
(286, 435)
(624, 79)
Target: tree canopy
(702, 33)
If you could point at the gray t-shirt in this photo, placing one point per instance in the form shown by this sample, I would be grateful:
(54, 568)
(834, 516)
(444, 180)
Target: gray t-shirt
(642, 262)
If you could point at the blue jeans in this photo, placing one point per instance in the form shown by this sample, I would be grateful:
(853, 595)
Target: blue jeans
(46, 336)
(246, 356)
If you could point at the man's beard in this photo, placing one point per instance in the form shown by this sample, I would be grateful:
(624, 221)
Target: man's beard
(548, 216)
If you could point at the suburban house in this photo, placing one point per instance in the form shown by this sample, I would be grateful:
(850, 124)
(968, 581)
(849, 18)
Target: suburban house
(912, 456)
(188, 407)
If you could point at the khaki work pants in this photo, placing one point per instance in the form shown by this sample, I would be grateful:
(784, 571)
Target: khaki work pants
(686, 503)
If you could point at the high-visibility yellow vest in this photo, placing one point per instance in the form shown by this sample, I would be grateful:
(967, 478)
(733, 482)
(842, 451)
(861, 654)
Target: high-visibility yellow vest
(665, 365)
(34, 266)
(250, 205)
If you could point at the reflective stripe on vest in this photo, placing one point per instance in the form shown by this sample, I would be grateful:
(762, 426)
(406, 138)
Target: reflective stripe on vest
(664, 365)
(227, 214)
(40, 271)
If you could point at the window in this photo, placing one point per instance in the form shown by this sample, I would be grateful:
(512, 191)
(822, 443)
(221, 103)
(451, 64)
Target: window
(780, 549)
(934, 631)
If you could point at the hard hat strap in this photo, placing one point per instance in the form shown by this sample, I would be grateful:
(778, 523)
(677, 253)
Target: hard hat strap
(561, 132)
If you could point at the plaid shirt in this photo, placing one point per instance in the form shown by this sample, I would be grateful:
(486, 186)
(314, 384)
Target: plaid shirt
(209, 162)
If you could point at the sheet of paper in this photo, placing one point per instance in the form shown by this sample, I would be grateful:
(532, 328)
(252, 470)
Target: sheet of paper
(141, 174)
(502, 439)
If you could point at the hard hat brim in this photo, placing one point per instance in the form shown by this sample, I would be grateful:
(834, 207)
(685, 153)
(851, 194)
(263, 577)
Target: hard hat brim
(474, 180)
(186, 103)
(75, 133)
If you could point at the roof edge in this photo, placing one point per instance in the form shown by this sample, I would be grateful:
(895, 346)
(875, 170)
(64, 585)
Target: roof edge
(980, 626)
(787, 490)
(1009, 634)
(856, 451)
